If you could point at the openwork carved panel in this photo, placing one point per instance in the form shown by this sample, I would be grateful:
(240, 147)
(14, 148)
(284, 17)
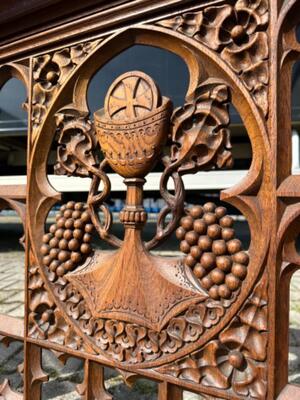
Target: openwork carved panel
(98, 302)
(205, 320)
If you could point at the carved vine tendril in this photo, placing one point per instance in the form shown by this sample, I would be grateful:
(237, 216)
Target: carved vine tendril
(77, 155)
(200, 141)
(95, 199)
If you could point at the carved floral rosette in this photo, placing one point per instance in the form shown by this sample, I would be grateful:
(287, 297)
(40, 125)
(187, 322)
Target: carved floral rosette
(213, 261)
(237, 33)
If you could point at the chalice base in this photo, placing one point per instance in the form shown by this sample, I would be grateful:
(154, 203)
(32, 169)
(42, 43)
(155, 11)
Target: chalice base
(133, 285)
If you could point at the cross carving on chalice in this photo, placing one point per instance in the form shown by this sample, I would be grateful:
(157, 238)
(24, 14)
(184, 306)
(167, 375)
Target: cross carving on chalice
(131, 284)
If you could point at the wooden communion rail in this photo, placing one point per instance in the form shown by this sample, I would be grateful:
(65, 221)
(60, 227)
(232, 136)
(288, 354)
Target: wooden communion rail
(214, 321)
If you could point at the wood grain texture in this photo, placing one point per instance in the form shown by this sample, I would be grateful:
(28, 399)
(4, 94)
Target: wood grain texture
(97, 20)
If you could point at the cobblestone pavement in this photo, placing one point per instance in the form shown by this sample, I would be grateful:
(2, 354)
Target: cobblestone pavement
(63, 379)
(294, 355)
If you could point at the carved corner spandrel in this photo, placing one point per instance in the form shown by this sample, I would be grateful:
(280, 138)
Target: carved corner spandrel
(238, 33)
(49, 73)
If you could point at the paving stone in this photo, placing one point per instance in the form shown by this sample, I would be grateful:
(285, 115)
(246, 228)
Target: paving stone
(12, 309)
(294, 359)
(17, 312)
(60, 390)
(69, 396)
(143, 389)
(295, 336)
(191, 396)
(11, 296)
(10, 358)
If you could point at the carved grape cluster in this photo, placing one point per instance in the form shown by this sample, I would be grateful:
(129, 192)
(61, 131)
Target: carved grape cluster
(68, 242)
(216, 257)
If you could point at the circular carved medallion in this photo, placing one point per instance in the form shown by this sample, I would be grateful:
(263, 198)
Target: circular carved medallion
(132, 95)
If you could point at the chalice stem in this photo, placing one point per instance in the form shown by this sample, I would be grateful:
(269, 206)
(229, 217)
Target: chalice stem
(133, 215)
(132, 284)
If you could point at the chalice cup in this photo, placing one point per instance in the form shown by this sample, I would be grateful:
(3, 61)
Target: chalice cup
(133, 126)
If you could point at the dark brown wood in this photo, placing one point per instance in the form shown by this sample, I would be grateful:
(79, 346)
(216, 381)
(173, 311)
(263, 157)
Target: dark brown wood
(14, 14)
(34, 375)
(214, 320)
(95, 386)
(80, 24)
(92, 388)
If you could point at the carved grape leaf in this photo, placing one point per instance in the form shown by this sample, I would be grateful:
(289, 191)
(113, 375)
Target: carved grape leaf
(200, 135)
(77, 143)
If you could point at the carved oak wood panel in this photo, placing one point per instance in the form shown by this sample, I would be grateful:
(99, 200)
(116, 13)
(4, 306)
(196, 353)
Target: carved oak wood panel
(215, 320)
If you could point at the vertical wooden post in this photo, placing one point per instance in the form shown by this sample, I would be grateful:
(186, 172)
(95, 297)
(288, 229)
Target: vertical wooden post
(34, 375)
(167, 391)
(93, 386)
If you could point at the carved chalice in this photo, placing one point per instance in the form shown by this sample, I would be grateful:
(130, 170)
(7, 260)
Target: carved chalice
(133, 125)
(131, 284)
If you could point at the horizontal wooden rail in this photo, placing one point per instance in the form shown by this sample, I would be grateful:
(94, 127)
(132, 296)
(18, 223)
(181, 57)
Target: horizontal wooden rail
(11, 327)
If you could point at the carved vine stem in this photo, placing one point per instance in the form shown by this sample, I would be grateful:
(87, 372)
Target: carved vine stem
(175, 205)
(200, 141)
(93, 200)
(77, 156)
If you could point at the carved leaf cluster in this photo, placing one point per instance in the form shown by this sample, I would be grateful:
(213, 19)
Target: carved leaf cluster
(45, 321)
(131, 343)
(237, 33)
(236, 360)
(50, 71)
(200, 136)
(76, 143)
